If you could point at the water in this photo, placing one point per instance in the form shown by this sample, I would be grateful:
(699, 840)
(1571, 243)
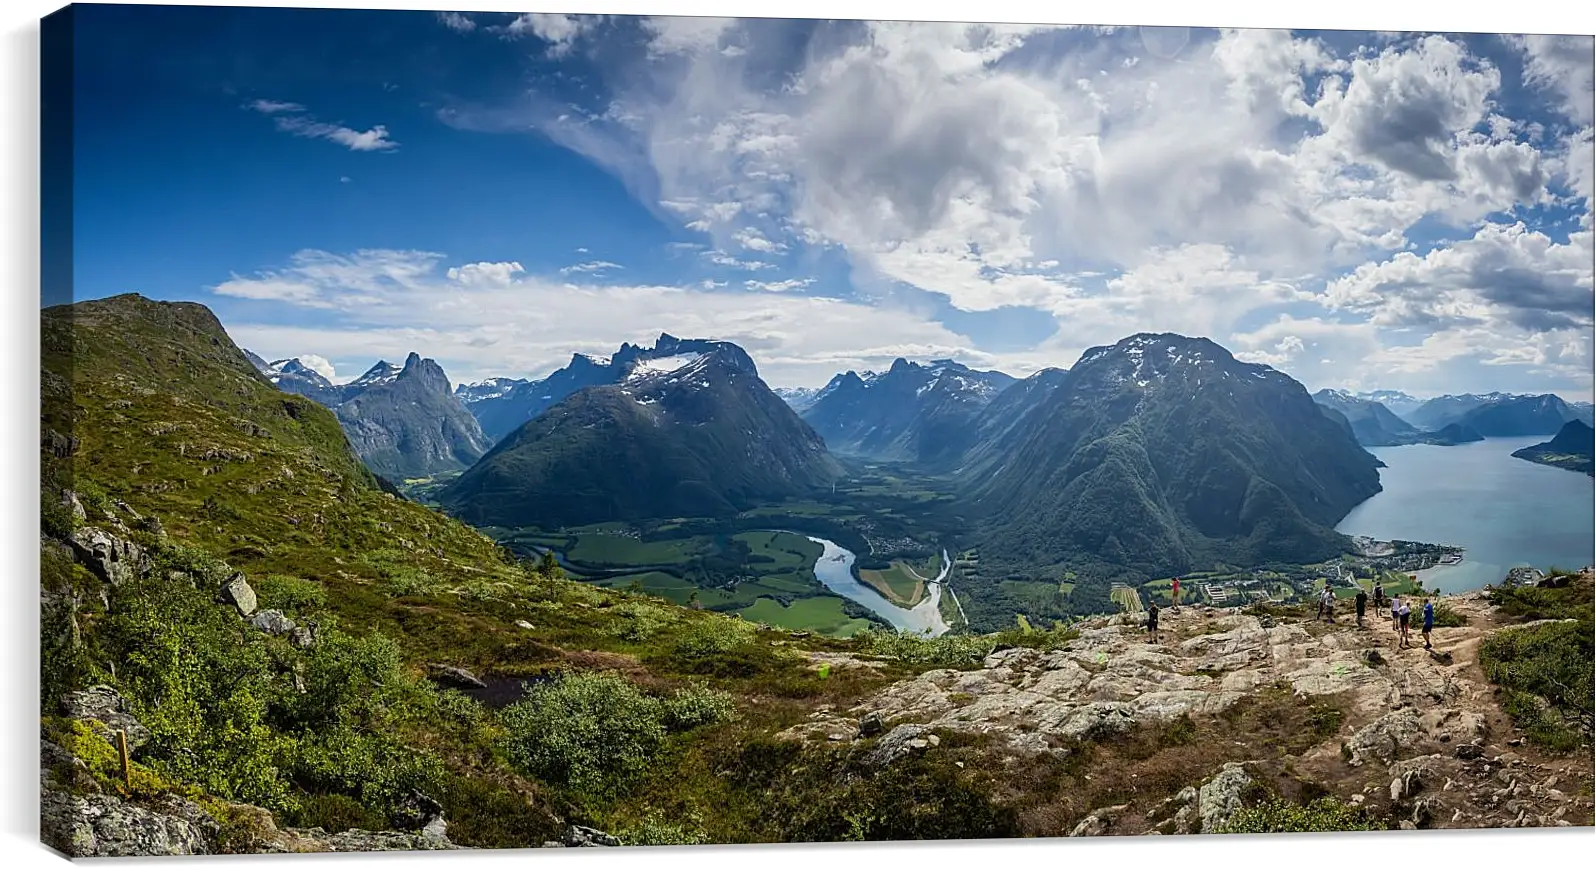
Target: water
(1504, 512)
(834, 569)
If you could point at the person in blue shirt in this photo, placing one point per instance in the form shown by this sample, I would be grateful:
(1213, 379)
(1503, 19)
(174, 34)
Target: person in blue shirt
(1429, 620)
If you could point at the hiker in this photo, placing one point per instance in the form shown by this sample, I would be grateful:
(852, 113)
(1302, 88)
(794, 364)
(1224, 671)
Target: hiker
(1152, 620)
(1174, 594)
(1361, 601)
(1328, 598)
(1429, 621)
(1323, 603)
(1396, 613)
(1403, 614)
(1379, 595)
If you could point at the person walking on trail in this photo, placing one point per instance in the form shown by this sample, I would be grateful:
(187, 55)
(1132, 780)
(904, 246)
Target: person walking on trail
(1362, 601)
(1396, 613)
(1174, 594)
(1379, 595)
(1152, 620)
(1403, 614)
(1328, 601)
(1429, 621)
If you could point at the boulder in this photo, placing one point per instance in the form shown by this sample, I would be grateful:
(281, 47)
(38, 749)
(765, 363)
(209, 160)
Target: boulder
(897, 743)
(521, 623)
(1220, 797)
(453, 675)
(417, 811)
(105, 705)
(356, 840)
(237, 592)
(273, 622)
(303, 636)
(1384, 737)
(73, 504)
(871, 724)
(110, 558)
(104, 826)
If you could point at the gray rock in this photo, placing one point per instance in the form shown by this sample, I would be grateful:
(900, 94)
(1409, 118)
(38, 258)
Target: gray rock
(103, 826)
(1220, 797)
(105, 705)
(1098, 821)
(871, 725)
(580, 836)
(70, 500)
(1384, 737)
(897, 743)
(272, 622)
(237, 592)
(356, 840)
(303, 636)
(110, 558)
(455, 676)
(1469, 751)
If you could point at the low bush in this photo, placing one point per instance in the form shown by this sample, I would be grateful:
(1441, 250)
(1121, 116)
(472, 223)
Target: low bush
(1277, 816)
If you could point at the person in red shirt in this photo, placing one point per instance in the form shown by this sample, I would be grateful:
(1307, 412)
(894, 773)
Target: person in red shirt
(1174, 594)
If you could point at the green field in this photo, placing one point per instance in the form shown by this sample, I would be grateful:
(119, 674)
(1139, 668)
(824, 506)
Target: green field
(788, 552)
(1127, 598)
(897, 583)
(655, 583)
(821, 613)
(619, 551)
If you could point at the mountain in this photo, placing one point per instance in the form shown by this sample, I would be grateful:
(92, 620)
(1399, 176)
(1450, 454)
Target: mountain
(1009, 418)
(1515, 416)
(797, 398)
(483, 391)
(1162, 452)
(926, 413)
(1584, 411)
(502, 414)
(1443, 410)
(403, 420)
(689, 429)
(1372, 423)
(1395, 401)
(1573, 448)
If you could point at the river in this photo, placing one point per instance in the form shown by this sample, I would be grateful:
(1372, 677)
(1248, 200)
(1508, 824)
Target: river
(834, 569)
(1505, 512)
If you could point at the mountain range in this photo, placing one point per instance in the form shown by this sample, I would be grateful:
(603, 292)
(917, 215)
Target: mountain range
(926, 413)
(1499, 415)
(685, 428)
(403, 420)
(1374, 425)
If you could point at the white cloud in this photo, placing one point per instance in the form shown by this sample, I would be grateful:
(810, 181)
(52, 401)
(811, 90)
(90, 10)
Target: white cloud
(592, 266)
(1563, 65)
(320, 365)
(292, 118)
(559, 30)
(526, 325)
(460, 22)
(487, 274)
(686, 34)
(779, 286)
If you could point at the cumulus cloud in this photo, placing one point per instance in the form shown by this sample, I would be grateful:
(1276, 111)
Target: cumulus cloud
(591, 266)
(560, 31)
(320, 365)
(460, 22)
(1563, 65)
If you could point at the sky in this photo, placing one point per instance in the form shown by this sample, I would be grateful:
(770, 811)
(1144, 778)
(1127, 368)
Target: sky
(497, 191)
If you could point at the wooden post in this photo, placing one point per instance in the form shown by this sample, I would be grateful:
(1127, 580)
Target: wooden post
(127, 769)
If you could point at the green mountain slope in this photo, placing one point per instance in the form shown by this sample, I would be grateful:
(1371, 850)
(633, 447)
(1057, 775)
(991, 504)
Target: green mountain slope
(1573, 448)
(1162, 452)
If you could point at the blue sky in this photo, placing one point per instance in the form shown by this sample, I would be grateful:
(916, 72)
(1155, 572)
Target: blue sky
(497, 191)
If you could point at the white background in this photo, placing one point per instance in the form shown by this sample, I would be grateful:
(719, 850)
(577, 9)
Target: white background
(19, 156)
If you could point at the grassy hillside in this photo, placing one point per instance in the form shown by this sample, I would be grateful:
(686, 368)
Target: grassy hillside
(171, 441)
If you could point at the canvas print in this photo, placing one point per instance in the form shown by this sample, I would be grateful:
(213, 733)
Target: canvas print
(494, 431)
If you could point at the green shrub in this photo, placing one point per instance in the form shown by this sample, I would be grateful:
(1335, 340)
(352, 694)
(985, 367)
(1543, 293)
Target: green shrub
(1546, 672)
(589, 731)
(947, 651)
(655, 831)
(696, 706)
(1275, 816)
(291, 595)
(641, 620)
(1447, 617)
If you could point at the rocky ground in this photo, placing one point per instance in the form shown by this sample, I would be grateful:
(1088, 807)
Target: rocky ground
(1415, 738)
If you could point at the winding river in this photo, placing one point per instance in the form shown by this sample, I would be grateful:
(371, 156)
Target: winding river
(834, 569)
